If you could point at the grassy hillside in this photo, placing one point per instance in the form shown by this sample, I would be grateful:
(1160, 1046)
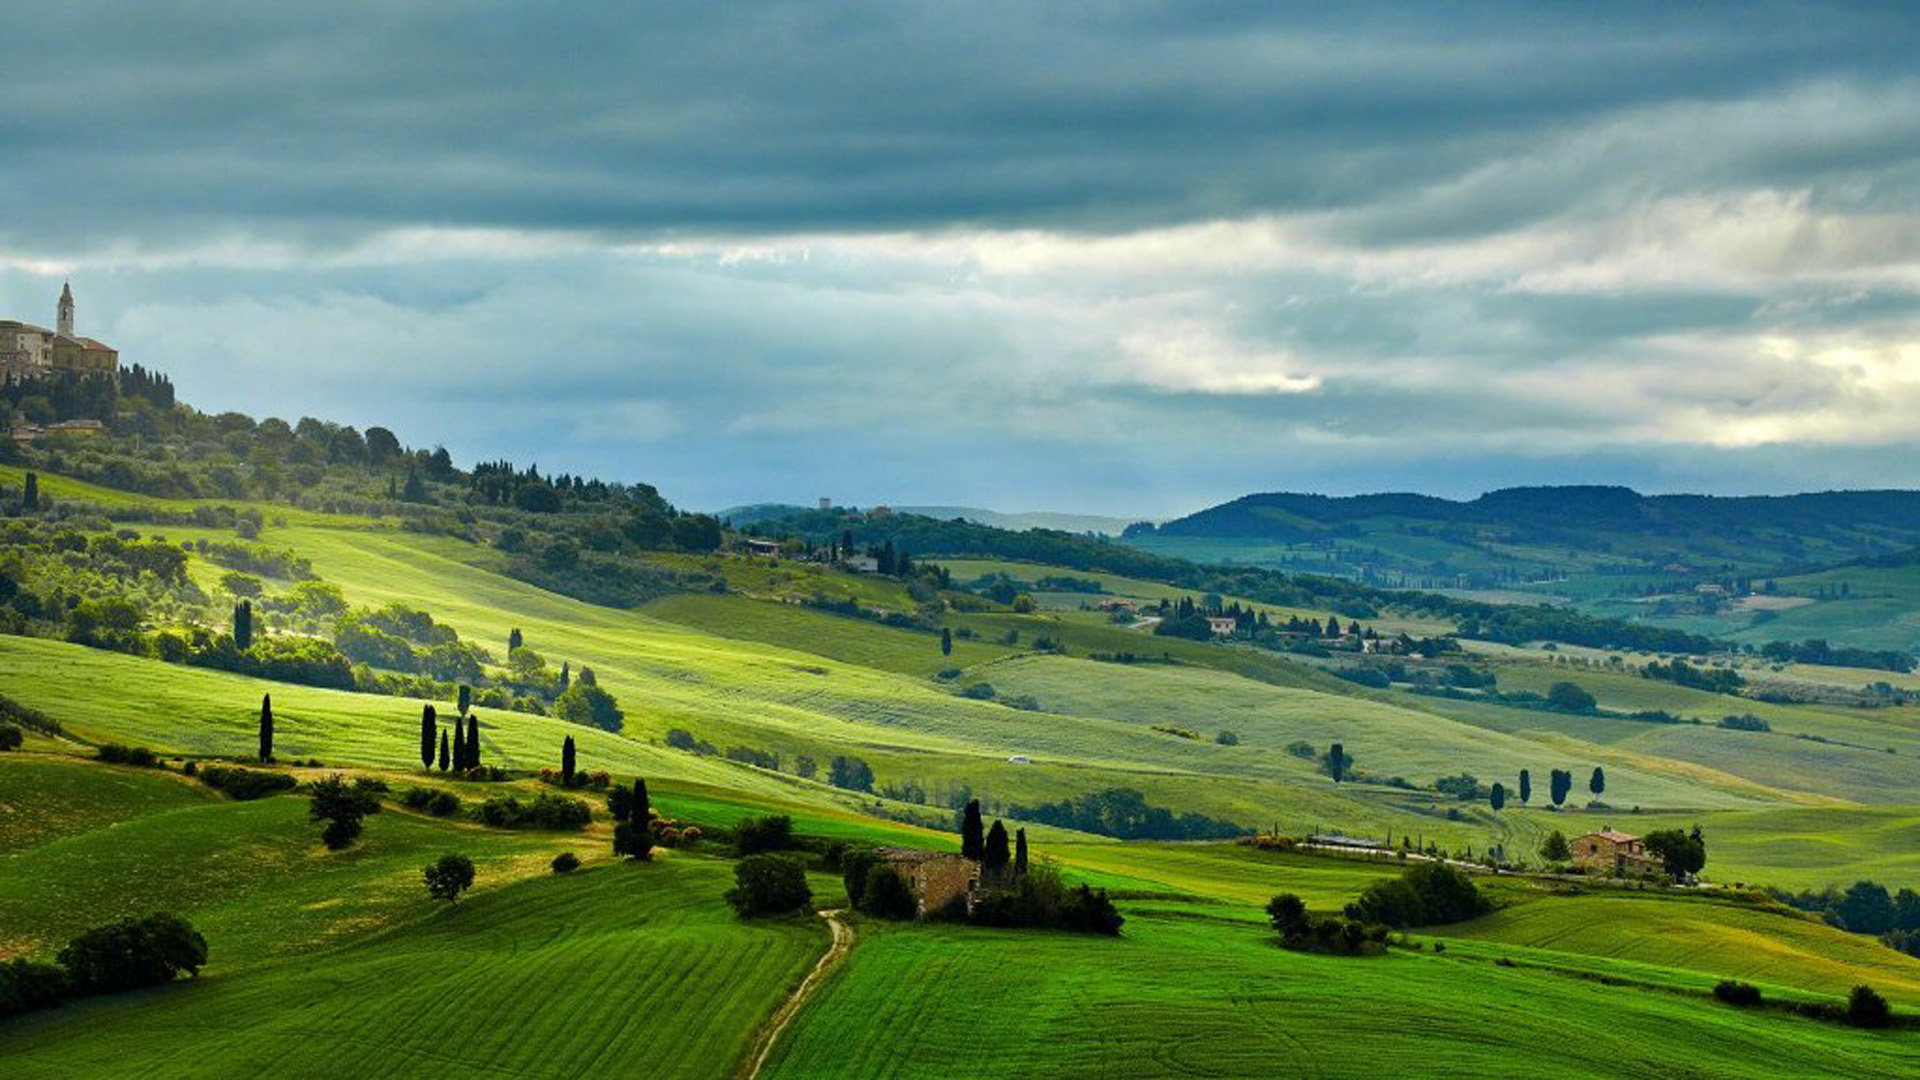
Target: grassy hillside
(637, 968)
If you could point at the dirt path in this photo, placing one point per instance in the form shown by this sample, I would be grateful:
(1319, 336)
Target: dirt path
(770, 1034)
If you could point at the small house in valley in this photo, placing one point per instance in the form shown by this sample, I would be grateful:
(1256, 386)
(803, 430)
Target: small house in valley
(1223, 625)
(937, 878)
(767, 548)
(1611, 852)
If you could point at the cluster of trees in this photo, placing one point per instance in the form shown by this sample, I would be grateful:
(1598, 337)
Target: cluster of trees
(1304, 932)
(1865, 907)
(1817, 651)
(769, 884)
(1125, 813)
(130, 954)
(1681, 673)
(1426, 894)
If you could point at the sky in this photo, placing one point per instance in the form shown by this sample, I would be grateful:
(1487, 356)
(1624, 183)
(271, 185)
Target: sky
(1122, 258)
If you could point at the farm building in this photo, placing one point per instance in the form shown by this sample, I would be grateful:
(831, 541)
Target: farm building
(768, 548)
(1612, 852)
(1224, 625)
(936, 878)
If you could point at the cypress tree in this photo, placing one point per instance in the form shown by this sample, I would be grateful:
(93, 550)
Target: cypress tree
(429, 726)
(266, 727)
(972, 832)
(1498, 798)
(243, 625)
(994, 855)
(514, 640)
(566, 762)
(1337, 761)
(642, 809)
(445, 760)
(1019, 851)
(30, 495)
(946, 641)
(566, 676)
(473, 741)
(1526, 785)
(466, 698)
(1598, 782)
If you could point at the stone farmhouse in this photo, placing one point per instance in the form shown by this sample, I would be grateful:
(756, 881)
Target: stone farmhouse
(936, 878)
(29, 352)
(1611, 852)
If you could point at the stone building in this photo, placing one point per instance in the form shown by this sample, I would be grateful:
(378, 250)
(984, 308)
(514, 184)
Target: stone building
(936, 878)
(1612, 852)
(28, 351)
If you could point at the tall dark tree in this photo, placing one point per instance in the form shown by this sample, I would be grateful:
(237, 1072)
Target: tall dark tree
(1560, 783)
(30, 494)
(994, 854)
(1019, 851)
(414, 491)
(1337, 759)
(634, 836)
(972, 831)
(1597, 783)
(465, 701)
(429, 729)
(1526, 786)
(1498, 798)
(243, 625)
(514, 640)
(566, 676)
(566, 762)
(473, 741)
(946, 641)
(266, 727)
(446, 760)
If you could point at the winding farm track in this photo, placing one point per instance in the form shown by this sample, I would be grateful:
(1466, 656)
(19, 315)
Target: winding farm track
(769, 1034)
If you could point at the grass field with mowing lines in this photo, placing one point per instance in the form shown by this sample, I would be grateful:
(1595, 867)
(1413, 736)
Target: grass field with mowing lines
(1187, 995)
(1699, 934)
(628, 969)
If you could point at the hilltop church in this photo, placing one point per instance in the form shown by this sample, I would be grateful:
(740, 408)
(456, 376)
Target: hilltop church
(30, 352)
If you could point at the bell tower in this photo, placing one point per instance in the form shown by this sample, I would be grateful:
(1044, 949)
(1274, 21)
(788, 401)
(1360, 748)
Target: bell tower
(65, 321)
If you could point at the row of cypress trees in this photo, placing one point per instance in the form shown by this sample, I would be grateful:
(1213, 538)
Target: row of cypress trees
(460, 753)
(989, 847)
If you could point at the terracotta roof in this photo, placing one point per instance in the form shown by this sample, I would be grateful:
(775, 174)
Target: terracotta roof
(900, 854)
(1614, 835)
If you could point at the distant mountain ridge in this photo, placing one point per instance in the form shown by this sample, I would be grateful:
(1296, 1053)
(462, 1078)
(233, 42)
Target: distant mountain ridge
(1290, 515)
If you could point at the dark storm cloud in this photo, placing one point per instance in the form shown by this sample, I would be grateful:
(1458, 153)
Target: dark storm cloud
(157, 121)
(1115, 257)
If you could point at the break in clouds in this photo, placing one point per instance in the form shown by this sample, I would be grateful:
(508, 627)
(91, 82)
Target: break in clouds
(1126, 259)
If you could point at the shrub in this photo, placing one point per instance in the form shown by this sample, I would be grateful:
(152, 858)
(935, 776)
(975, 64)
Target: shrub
(546, 811)
(584, 703)
(680, 739)
(26, 985)
(1734, 992)
(133, 953)
(755, 835)
(115, 754)
(566, 863)
(1227, 738)
(246, 784)
(341, 806)
(887, 895)
(854, 862)
(1867, 1009)
(11, 737)
(448, 877)
(768, 885)
(432, 801)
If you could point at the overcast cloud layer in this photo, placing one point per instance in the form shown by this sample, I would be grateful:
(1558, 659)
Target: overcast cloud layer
(1123, 258)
